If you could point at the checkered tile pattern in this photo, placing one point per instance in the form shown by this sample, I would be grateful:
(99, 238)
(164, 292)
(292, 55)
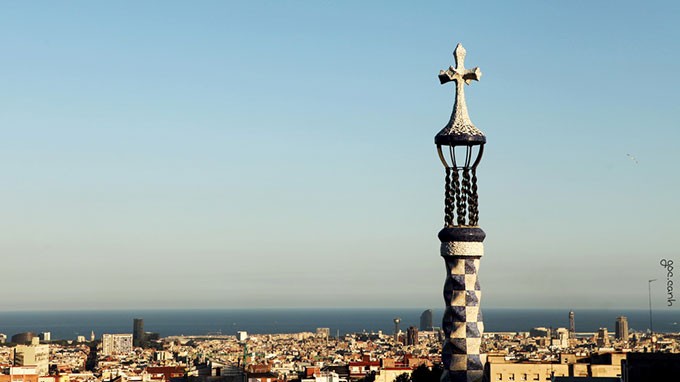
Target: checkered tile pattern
(462, 324)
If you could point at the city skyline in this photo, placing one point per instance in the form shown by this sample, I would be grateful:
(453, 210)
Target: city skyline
(281, 154)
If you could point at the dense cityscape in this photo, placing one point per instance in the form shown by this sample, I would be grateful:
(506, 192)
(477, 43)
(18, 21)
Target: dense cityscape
(211, 157)
(412, 353)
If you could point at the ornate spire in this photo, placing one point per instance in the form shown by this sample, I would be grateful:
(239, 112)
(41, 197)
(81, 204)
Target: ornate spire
(461, 238)
(460, 129)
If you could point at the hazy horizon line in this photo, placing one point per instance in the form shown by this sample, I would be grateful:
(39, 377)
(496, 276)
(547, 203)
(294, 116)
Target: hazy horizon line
(124, 309)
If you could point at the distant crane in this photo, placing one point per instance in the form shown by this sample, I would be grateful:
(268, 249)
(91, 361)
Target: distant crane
(245, 355)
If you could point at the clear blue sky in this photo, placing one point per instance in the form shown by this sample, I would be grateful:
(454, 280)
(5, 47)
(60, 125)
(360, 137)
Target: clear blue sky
(274, 154)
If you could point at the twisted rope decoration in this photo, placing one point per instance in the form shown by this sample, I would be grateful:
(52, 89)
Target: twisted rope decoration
(465, 192)
(460, 198)
(474, 197)
(448, 199)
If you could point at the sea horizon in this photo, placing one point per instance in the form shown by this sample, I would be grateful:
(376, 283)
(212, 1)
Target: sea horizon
(68, 324)
(90, 309)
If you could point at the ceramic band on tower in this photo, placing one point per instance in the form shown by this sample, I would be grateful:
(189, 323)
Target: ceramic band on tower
(463, 326)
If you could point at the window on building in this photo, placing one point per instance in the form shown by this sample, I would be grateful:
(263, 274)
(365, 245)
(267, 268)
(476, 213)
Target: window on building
(537, 377)
(511, 377)
(499, 376)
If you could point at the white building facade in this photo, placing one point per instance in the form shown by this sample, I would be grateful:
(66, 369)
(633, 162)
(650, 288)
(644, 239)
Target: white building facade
(113, 344)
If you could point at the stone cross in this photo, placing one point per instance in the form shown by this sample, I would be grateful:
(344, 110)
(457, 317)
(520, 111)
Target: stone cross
(460, 119)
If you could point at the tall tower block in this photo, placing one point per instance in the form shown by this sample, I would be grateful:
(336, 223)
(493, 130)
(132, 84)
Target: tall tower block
(426, 320)
(572, 327)
(460, 146)
(621, 326)
(138, 331)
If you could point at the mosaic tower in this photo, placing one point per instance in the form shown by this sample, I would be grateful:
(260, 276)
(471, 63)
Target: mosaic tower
(460, 146)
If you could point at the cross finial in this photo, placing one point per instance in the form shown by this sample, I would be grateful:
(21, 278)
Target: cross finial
(460, 125)
(459, 72)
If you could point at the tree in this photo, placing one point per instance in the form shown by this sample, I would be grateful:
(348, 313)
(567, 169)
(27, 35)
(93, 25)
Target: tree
(403, 378)
(370, 377)
(423, 374)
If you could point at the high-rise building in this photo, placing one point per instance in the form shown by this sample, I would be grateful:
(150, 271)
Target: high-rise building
(241, 335)
(602, 339)
(622, 328)
(426, 320)
(412, 335)
(34, 355)
(46, 336)
(572, 327)
(137, 331)
(396, 321)
(116, 344)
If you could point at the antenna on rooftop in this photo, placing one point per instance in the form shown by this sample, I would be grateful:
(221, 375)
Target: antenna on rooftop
(651, 327)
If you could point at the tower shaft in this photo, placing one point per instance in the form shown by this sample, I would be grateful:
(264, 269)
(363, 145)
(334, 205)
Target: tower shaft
(463, 326)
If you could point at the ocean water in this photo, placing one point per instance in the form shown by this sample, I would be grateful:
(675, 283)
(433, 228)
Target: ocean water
(69, 324)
